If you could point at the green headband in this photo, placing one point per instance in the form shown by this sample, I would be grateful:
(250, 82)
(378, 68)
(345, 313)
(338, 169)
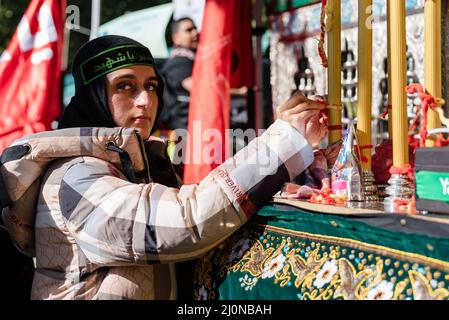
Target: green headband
(113, 59)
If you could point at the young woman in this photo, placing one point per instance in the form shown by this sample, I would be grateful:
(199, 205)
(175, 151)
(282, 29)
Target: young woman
(111, 230)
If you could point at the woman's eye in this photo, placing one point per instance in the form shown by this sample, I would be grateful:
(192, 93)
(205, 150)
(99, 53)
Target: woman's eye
(124, 86)
(152, 87)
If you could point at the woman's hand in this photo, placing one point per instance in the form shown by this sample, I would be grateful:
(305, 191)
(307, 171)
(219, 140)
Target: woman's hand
(304, 115)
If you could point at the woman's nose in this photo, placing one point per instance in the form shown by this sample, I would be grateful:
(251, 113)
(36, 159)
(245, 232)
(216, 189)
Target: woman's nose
(143, 99)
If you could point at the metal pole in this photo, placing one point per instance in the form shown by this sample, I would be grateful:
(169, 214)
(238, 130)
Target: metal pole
(258, 94)
(399, 81)
(364, 89)
(399, 188)
(334, 69)
(95, 18)
(432, 59)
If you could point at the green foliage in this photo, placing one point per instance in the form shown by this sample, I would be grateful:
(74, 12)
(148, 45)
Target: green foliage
(11, 11)
(113, 8)
(110, 9)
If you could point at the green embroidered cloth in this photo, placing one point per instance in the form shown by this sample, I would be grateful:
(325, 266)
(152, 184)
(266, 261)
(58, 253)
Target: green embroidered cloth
(295, 255)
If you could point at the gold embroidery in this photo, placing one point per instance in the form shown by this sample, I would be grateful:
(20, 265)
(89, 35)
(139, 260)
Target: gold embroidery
(400, 286)
(422, 289)
(350, 282)
(302, 269)
(324, 275)
(375, 279)
(381, 250)
(256, 258)
(204, 269)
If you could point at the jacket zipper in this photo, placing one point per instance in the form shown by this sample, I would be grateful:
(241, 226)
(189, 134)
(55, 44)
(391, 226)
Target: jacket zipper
(144, 156)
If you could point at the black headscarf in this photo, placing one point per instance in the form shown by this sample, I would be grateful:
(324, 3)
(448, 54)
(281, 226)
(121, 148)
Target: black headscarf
(89, 107)
(95, 59)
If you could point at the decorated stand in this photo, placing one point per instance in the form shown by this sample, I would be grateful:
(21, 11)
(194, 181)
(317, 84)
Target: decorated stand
(355, 232)
(399, 183)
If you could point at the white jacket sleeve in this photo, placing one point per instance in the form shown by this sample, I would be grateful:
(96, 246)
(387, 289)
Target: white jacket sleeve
(116, 222)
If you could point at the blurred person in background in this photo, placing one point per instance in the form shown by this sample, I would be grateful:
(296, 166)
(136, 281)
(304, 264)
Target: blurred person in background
(177, 72)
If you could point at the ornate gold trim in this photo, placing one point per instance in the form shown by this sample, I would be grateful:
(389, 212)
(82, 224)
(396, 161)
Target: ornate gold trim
(397, 254)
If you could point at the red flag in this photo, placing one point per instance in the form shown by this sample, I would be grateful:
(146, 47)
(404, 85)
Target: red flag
(209, 109)
(242, 67)
(30, 72)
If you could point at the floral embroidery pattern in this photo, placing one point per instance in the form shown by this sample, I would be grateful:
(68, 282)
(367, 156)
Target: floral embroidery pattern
(247, 282)
(273, 266)
(326, 273)
(289, 267)
(383, 291)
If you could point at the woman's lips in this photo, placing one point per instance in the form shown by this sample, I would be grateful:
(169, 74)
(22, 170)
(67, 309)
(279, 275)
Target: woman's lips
(141, 119)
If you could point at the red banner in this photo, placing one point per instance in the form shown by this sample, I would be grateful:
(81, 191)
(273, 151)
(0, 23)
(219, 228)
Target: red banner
(209, 110)
(30, 72)
(242, 68)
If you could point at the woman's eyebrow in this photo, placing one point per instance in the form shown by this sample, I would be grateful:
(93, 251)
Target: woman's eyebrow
(131, 76)
(153, 78)
(124, 76)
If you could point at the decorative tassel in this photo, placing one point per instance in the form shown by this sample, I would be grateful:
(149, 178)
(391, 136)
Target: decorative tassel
(405, 170)
(427, 101)
(321, 40)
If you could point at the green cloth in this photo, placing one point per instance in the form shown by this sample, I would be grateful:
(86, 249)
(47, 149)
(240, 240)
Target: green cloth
(293, 254)
(338, 226)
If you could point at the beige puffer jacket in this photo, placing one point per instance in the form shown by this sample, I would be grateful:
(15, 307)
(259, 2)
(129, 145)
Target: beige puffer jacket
(103, 231)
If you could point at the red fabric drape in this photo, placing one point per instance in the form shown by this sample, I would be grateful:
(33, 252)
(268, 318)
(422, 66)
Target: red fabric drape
(242, 65)
(225, 32)
(30, 72)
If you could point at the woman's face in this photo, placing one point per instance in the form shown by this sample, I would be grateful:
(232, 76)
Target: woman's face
(132, 97)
